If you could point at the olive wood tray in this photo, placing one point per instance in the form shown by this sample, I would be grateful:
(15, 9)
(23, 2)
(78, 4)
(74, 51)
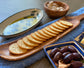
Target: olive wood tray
(4, 51)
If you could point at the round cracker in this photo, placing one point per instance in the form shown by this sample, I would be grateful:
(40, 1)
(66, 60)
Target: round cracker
(33, 40)
(66, 23)
(53, 28)
(42, 33)
(61, 25)
(15, 49)
(29, 43)
(23, 45)
(58, 27)
(49, 33)
(37, 37)
(50, 30)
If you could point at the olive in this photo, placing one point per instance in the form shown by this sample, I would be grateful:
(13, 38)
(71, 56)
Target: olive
(54, 51)
(64, 49)
(72, 49)
(68, 58)
(77, 56)
(76, 64)
(65, 53)
(57, 56)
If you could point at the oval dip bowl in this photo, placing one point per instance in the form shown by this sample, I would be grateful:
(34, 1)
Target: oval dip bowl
(20, 22)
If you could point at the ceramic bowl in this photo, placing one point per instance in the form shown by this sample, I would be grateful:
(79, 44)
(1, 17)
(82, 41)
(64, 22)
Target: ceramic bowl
(56, 13)
(25, 21)
(79, 40)
(48, 48)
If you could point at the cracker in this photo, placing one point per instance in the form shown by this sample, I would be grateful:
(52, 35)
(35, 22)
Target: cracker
(23, 45)
(50, 30)
(66, 23)
(44, 34)
(15, 49)
(37, 37)
(48, 33)
(29, 43)
(61, 25)
(40, 35)
(53, 28)
(33, 40)
(58, 27)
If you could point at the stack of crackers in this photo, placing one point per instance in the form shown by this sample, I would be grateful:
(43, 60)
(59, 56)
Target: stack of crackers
(35, 39)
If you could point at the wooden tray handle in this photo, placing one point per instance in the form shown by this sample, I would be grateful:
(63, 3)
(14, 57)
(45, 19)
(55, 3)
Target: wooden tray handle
(80, 17)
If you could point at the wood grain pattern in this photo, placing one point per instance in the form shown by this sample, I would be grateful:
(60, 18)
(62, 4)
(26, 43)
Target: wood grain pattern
(4, 52)
(56, 14)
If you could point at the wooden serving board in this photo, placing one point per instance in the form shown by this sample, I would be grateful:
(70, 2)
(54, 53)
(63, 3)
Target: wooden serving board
(5, 54)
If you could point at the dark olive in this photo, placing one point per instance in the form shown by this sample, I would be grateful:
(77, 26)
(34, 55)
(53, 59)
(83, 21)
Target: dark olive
(68, 58)
(57, 56)
(54, 51)
(76, 64)
(65, 53)
(77, 56)
(64, 49)
(72, 49)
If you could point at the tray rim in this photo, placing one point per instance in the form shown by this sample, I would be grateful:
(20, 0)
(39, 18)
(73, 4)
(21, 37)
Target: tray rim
(77, 38)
